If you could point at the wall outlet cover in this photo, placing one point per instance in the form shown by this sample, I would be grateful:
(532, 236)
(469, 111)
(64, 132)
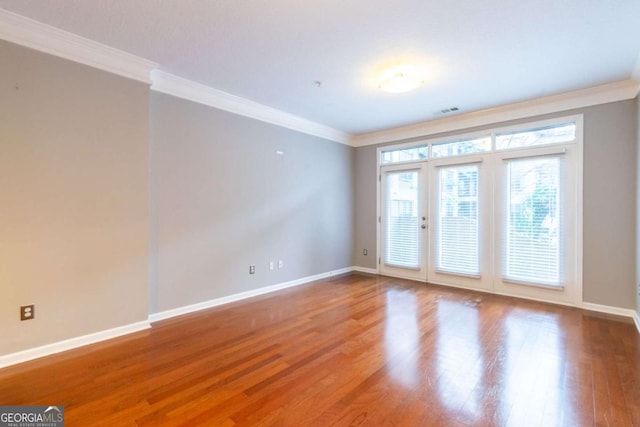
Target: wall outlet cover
(27, 312)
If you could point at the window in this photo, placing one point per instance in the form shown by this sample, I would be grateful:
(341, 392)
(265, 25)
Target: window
(504, 211)
(465, 146)
(538, 136)
(457, 245)
(404, 154)
(531, 251)
(402, 220)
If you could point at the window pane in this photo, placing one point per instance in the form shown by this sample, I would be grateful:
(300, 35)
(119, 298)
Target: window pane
(458, 220)
(467, 146)
(539, 136)
(402, 227)
(404, 154)
(533, 217)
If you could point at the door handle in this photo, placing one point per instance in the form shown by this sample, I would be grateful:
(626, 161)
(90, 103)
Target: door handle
(423, 226)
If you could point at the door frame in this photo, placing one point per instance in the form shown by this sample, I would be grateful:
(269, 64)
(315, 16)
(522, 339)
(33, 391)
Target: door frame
(424, 193)
(570, 293)
(482, 281)
(574, 296)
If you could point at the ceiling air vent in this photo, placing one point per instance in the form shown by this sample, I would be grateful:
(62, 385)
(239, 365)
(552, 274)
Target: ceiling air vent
(446, 111)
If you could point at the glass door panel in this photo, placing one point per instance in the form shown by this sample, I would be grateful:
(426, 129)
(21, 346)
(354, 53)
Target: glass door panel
(403, 221)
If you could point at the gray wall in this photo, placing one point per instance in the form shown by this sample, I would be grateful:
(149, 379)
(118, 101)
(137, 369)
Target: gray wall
(365, 206)
(224, 199)
(73, 199)
(609, 204)
(610, 150)
(78, 147)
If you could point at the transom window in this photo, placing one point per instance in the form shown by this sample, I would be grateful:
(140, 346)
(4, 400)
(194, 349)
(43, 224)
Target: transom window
(464, 146)
(554, 134)
(404, 154)
(561, 133)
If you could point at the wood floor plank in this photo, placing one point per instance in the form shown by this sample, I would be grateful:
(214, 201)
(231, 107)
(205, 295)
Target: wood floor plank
(352, 350)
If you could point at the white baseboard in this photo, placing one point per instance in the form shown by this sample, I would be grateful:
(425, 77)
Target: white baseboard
(365, 270)
(49, 349)
(608, 309)
(60, 346)
(243, 295)
(625, 312)
(334, 273)
(636, 320)
(57, 347)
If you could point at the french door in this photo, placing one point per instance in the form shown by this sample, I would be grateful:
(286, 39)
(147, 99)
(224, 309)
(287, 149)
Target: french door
(446, 238)
(403, 221)
(535, 231)
(505, 218)
(460, 244)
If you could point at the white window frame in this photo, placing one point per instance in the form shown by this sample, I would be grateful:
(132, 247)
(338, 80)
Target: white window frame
(571, 291)
(482, 281)
(396, 271)
(487, 282)
(414, 144)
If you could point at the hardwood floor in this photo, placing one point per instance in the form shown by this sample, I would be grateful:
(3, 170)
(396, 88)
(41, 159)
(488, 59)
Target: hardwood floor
(355, 350)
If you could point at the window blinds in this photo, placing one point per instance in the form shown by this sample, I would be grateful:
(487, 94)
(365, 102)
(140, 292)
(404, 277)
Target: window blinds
(532, 240)
(401, 220)
(458, 230)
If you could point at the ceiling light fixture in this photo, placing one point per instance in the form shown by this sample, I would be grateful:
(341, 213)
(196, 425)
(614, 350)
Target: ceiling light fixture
(399, 79)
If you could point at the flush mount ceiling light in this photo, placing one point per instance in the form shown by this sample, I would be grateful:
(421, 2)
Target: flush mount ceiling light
(399, 79)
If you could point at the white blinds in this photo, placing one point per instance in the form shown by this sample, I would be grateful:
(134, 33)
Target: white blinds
(458, 240)
(532, 240)
(401, 219)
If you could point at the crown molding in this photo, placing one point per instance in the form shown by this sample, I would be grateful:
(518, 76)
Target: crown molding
(180, 87)
(612, 92)
(26, 32)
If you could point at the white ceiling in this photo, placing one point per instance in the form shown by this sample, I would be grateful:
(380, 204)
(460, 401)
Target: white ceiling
(479, 54)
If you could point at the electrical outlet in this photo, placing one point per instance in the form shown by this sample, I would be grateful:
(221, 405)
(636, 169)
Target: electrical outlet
(27, 312)
(280, 263)
(365, 252)
(252, 269)
(271, 265)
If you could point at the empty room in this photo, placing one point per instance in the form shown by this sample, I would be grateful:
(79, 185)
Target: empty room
(336, 213)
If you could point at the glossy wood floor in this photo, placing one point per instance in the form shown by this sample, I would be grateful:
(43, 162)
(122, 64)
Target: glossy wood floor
(355, 350)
